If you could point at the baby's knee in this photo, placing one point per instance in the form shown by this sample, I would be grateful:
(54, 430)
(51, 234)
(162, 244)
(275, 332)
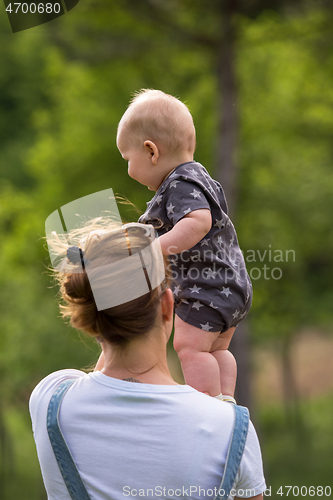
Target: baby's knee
(187, 351)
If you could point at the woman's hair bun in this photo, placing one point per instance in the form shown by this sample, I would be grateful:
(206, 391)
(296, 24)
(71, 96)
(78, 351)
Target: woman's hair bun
(103, 246)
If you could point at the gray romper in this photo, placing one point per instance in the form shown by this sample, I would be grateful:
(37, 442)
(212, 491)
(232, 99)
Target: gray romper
(210, 283)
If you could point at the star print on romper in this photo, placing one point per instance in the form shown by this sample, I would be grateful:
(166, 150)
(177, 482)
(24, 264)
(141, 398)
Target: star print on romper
(210, 274)
(206, 327)
(205, 242)
(197, 305)
(236, 314)
(196, 193)
(233, 262)
(170, 208)
(226, 291)
(219, 223)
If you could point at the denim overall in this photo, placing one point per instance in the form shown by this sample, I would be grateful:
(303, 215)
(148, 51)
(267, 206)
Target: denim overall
(72, 478)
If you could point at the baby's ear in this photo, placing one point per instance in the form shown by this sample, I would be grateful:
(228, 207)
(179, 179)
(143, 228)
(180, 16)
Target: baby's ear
(153, 151)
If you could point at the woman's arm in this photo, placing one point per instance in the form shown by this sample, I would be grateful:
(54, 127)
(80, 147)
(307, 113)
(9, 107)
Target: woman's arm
(187, 232)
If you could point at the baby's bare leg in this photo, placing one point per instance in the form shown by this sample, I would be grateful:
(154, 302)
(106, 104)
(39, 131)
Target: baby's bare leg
(226, 361)
(200, 366)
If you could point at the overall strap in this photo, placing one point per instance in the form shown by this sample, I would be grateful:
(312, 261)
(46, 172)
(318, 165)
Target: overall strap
(66, 464)
(235, 451)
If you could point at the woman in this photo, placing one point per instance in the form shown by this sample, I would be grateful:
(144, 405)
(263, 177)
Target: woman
(131, 429)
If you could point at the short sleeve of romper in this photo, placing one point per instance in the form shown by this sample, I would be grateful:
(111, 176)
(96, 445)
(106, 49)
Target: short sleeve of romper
(210, 279)
(183, 197)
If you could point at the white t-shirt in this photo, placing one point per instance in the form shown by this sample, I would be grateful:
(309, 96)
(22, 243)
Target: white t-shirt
(133, 440)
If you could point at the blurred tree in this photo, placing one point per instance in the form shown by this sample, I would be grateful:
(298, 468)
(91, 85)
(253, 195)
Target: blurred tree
(285, 130)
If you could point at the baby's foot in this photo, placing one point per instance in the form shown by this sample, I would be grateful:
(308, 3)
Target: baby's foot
(228, 399)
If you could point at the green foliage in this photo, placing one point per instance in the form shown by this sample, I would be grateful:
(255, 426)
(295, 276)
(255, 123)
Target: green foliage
(21, 91)
(298, 455)
(23, 479)
(286, 171)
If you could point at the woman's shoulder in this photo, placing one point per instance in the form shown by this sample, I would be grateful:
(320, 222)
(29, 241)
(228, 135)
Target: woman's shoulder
(45, 388)
(250, 475)
(218, 416)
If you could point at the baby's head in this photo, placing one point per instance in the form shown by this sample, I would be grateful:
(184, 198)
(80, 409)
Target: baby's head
(158, 130)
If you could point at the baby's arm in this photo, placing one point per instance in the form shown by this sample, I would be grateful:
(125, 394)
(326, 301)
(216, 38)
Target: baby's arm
(187, 232)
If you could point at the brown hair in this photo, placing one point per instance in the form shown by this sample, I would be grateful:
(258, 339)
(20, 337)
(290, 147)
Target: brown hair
(103, 242)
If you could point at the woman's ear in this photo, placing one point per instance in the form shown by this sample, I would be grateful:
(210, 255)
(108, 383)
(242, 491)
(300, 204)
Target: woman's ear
(153, 151)
(167, 305)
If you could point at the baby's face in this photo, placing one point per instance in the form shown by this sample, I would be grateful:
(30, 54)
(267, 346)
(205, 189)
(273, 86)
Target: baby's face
(140, 166)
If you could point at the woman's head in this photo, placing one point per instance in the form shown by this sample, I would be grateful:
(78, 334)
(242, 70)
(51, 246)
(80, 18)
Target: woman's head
(119, 262)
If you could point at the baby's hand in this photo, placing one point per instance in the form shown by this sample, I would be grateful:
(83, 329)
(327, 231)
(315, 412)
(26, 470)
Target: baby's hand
(187, 232)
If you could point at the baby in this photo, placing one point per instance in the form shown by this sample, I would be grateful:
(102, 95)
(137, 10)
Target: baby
(212, 289)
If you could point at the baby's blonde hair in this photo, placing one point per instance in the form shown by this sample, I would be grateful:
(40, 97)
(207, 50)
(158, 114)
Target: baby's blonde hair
(161, 118)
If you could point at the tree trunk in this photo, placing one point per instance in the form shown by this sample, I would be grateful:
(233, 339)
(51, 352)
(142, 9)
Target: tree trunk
(227, 105)
(290, 391)
(227, 173)
(240, 347)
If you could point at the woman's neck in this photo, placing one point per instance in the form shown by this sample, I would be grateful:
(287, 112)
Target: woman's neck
(139, 361)
(152, 376)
